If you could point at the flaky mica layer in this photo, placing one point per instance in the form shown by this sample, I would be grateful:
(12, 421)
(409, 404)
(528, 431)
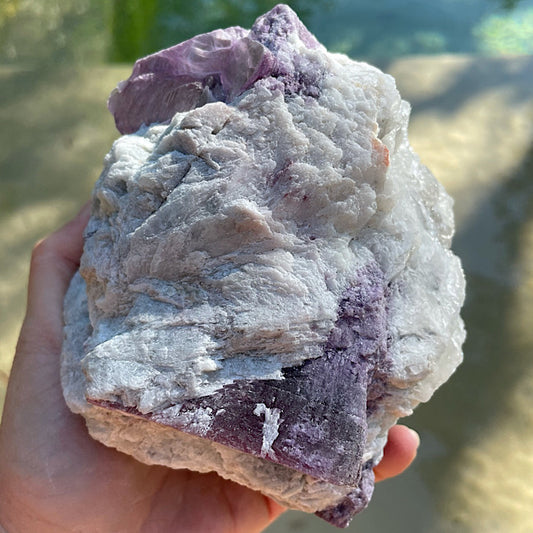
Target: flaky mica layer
(266, 285)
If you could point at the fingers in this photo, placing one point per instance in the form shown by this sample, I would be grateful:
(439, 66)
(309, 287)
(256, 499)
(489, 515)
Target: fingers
(399, 452)
(34, 401)
(54, 261)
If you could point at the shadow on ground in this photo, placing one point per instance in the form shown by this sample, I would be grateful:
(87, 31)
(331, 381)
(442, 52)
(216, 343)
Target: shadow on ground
(499, 344)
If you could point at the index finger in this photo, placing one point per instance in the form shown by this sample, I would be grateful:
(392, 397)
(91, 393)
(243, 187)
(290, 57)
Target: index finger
(54, 261)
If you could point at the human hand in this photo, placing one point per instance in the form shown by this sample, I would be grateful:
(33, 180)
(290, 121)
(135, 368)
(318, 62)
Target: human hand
(55, 478)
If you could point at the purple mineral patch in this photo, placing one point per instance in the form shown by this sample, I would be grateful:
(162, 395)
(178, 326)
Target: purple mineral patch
(354, 503)
(322, 403)
(215, 66)
(206, 68)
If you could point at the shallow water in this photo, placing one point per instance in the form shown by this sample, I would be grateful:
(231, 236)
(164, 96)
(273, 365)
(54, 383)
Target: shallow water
(472, 124)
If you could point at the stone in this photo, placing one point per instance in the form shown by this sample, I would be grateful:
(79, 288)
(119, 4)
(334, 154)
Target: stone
(267, 283)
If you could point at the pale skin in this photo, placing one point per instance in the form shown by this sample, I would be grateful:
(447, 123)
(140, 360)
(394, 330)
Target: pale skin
(54, 478)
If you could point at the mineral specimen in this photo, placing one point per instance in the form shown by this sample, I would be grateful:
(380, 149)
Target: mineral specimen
(267, 284)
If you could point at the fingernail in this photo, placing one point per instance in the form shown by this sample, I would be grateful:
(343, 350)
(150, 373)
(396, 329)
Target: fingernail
(416, 436)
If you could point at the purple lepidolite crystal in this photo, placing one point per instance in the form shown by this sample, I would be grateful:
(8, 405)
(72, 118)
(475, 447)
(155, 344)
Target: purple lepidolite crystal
(266, 284)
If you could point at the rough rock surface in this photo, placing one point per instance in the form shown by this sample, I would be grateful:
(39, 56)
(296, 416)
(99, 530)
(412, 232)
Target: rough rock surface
(266, 285)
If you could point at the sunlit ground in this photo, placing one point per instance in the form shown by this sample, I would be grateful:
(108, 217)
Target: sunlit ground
(472, 125)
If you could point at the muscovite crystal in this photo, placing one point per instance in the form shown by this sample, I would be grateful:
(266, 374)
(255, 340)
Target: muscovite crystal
(267, 284)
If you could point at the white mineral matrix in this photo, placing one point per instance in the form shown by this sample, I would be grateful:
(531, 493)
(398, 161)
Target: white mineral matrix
(267, 283)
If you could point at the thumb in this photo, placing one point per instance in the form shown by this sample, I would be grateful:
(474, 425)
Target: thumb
(399, 452)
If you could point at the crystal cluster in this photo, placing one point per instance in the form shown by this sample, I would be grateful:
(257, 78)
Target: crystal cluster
(266, 284)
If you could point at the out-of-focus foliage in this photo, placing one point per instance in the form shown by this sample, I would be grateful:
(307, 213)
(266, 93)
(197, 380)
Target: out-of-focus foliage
(509, 34)
(47, 33)
(8, 9)
(509, 4)
(132, 28)
(41, 33)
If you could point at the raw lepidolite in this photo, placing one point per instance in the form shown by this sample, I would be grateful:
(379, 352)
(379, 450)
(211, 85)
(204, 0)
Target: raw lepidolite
(267, 283)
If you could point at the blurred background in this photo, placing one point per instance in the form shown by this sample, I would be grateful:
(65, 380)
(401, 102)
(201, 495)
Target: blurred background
(466, 66)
